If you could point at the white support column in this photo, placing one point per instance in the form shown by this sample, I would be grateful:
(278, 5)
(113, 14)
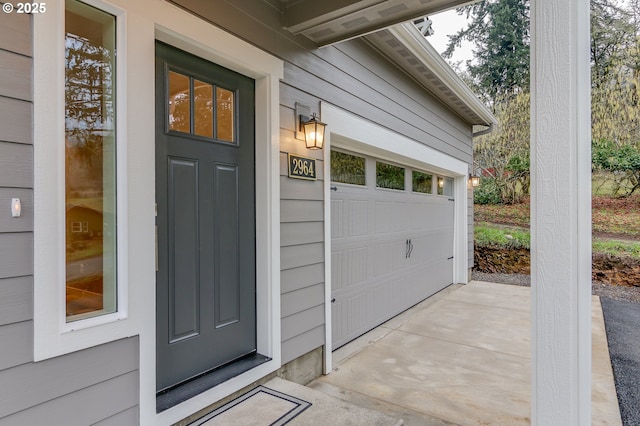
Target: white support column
(560, 213)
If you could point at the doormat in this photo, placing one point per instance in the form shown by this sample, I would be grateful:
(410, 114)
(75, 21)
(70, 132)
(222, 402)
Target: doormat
(260, 407)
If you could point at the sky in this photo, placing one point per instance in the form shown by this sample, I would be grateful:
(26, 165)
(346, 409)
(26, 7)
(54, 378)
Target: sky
(445, 24)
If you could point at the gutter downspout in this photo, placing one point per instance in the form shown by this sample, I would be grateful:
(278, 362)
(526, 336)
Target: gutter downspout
(483, 132)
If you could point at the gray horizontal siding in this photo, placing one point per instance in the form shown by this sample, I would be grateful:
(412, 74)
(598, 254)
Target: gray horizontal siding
(300, 300)
(16, 254)
(16, 300)
(300, 322)
(125, 418)
(85, 406)
(297, 189)
(302, 343)
(38, 383)
(15, 120)
(301, 240)
(301, 277)
(292, 234)
(399, 90)
(15, 33)
(301, 211)
(16, 165)
(16, 181)
(17, 345)
(377, 112)
(297, 256)
(15, 70)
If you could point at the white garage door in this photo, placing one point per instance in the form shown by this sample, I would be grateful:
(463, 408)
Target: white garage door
(391, 248)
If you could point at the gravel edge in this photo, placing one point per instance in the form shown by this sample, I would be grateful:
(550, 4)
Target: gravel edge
(628, 294)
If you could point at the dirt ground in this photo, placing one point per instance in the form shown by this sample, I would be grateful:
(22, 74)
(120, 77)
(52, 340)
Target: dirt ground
(621, 271)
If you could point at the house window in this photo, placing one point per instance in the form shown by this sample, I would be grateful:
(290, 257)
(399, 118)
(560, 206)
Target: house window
(192, 109)
(422, 182)
(389, 176)
(347, 168)
(90, 161)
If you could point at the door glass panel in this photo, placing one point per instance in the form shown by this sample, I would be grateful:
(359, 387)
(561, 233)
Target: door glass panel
(203, 108)
(422, 182)
(179, 103)
(347, 168)
(225, 114)
(90, 161)
(389, 176)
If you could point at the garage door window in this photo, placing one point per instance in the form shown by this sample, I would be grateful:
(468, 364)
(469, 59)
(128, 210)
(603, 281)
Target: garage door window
(347, 168)
(389, 176)
(445, 186)
(422, 182)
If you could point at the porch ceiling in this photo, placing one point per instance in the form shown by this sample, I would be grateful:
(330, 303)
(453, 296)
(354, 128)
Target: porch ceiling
(331, 21)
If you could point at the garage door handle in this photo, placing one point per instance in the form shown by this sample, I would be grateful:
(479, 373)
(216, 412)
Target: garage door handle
(408, 249)
(334, 188)
(333, 300)
(449, 258)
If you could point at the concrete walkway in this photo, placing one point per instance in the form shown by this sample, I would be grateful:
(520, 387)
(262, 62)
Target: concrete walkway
(461, 357)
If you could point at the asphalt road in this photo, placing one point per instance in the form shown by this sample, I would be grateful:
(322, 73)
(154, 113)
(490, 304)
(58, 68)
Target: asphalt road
(622, 322)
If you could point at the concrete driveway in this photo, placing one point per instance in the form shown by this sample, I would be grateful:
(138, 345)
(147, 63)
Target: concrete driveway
(461, 357)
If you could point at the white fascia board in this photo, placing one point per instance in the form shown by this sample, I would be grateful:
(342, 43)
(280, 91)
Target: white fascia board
(417, 44)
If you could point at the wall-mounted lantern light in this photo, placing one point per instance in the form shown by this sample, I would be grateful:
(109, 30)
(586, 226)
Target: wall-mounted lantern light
(313, 132)
(475, 181)
(309, 127)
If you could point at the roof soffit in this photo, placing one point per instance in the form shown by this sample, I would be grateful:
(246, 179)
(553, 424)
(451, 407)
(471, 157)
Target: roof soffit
(331, 21)
(405, 46)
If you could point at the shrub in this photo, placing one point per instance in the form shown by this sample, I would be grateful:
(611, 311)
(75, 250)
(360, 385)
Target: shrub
(487, 193)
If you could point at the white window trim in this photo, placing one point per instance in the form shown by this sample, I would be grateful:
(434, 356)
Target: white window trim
(53, 336)
(143, 22)
(360, 136)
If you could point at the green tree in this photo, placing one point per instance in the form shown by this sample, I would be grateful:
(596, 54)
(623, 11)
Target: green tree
(613, 34)
(500, 31)
(503, 155)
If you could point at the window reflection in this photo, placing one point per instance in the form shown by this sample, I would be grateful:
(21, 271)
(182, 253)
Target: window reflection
(179, 103)
(422, 182)
(347, 168)
(389, 176)
(225, 114)
(90, 161)
(203, 106)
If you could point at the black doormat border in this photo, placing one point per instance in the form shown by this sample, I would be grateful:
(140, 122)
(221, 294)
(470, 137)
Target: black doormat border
(300, 406)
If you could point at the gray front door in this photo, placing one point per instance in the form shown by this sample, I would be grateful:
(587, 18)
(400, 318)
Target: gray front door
(205, 194)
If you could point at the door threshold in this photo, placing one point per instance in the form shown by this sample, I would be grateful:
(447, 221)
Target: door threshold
(180, 393)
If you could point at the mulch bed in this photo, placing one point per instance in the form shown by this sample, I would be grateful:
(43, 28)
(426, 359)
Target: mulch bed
(623, 271)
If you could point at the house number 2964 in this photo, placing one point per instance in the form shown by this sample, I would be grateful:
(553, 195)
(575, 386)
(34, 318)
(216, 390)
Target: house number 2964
(302, 167)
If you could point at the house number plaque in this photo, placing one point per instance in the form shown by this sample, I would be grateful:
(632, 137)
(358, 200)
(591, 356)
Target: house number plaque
(302, 167)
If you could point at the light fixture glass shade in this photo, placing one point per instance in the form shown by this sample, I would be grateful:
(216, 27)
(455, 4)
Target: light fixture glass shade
(314, 133)
(475, 181)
